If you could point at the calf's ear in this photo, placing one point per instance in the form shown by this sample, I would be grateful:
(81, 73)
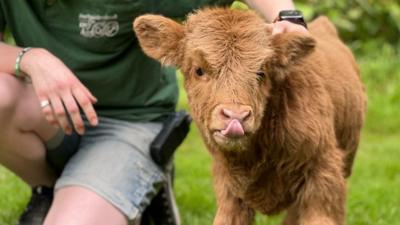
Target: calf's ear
(160, 38)
(291, 47)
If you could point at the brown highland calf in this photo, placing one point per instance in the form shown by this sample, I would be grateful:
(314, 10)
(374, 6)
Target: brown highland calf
(280, 114)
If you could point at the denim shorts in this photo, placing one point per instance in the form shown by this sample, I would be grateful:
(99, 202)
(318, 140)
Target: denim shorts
(113, 160)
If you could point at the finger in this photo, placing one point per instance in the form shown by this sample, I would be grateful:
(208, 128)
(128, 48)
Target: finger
(88, 93)
(73, 112)
(84, 101)
(296, 28)
(60, 114)
(92, 98)
(52, 120)
(269, 28)
(286, 26)
(300, 28)
(48, 112)
(277, 29)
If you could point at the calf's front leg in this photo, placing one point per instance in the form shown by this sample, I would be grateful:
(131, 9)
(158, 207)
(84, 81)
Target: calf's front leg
(230, 209)
(292, 217)
(322, 200)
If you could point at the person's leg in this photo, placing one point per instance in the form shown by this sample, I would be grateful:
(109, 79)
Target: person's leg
(111, 179)
(74, 205)
(23, 132)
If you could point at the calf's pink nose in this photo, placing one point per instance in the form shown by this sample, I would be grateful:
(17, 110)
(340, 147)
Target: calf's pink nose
(241, 115)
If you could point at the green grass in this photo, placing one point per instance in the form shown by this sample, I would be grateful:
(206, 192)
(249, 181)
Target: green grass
(13, 197)
(374, 187)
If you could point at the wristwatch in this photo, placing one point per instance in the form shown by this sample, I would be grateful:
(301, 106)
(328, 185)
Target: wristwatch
(293, 16)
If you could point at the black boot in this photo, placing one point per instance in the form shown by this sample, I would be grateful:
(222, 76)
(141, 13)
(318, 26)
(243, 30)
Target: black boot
(38, 206)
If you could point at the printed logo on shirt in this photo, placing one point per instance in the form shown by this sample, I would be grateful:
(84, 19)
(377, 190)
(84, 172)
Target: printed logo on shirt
(95, 26)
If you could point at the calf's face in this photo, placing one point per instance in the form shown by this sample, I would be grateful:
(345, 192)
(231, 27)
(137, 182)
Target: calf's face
(230, 63)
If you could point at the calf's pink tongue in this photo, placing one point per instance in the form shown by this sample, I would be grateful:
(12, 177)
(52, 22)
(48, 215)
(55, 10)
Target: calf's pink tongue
(234, 129)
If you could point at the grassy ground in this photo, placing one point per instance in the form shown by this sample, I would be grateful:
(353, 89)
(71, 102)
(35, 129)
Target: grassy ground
(374, 188)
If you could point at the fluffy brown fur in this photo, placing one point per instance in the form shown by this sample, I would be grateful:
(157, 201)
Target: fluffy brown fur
(280, 114)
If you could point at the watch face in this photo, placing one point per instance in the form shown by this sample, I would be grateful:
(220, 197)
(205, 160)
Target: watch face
(290, 14)
(294, 16)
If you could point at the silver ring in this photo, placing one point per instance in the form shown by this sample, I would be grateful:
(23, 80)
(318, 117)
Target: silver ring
(44, 103)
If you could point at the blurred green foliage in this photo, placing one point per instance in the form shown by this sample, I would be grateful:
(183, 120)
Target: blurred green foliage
(8, 38)
(363, 24)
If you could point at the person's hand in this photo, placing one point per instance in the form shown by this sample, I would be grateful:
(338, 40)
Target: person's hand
(286, 26)
(55, 84)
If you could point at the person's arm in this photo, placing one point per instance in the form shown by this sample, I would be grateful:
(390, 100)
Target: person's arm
(270, 9)
(53, 82)
(7, 57)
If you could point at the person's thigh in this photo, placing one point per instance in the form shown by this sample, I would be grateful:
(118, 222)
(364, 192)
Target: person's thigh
(114, 162)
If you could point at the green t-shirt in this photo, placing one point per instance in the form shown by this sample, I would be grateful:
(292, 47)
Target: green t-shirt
(94, 38)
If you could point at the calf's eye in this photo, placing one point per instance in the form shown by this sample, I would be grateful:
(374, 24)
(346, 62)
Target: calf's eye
(199, 72)
(260, 76)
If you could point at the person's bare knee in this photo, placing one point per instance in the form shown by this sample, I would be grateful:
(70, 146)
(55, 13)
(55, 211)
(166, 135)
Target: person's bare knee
(22, 150)
(74, 205)
(19, 108)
